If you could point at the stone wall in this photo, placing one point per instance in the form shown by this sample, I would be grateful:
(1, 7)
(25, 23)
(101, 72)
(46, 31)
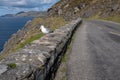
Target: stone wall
(40, 59)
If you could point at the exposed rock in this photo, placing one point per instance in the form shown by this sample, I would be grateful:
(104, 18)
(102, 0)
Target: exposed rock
(76, 9)
(115, 7)
(3, 68)
(66, 6)
(60, 12)
(71, 9)
(88, 13)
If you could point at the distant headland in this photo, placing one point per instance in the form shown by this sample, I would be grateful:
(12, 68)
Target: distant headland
(27, 14)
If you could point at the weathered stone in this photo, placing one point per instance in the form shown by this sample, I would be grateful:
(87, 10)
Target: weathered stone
(76, 9)
(39, 59)
(3, 68)
(60, 12)
(115, 7)
(66, 6)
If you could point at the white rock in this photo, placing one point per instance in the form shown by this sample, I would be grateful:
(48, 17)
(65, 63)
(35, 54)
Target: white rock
(3, 68)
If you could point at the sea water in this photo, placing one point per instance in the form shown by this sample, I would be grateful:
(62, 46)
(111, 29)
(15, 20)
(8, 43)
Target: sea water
(10, 25)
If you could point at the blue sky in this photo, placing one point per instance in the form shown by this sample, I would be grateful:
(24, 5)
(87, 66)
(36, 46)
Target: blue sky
(14, 6)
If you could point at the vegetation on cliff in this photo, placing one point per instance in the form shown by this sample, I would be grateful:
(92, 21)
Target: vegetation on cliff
(58, 14)
(113, 18)
(29, 33)
(71, 9)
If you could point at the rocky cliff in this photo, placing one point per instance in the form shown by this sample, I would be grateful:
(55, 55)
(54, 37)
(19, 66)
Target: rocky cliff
(70, 9)
(30, 32)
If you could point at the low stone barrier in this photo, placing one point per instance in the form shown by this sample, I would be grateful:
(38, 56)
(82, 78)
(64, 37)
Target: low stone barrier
(40, 59)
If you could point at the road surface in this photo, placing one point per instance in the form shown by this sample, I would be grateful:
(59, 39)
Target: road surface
(95, 52)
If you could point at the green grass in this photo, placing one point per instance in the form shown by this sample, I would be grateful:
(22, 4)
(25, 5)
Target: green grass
(64, 58)
(21, 45)
(12, 65)
(33, 33)
(64, 78)
(28, 41)
(113, 18)
(51, 22)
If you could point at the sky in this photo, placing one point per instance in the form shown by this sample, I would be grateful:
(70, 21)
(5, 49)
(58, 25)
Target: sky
(15, 6)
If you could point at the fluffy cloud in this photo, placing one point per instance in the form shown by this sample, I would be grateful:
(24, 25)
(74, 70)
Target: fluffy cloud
(27, 3)
(14, 6)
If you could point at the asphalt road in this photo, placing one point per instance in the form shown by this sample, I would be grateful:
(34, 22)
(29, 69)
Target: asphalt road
(95, 52)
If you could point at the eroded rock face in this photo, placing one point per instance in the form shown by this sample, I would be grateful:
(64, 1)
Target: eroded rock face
(36, 60)
(72, 9)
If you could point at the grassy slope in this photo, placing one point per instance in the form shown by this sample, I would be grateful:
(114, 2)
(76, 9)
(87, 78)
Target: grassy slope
(113, 18)
(33, 33)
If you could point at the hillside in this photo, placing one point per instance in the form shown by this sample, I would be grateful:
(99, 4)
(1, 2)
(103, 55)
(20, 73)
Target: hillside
(27, 14)
(32, 14)
(29, 33)
(57, 14)
(70, 9)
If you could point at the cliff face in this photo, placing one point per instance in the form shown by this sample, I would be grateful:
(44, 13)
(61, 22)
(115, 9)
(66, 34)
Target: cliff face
(29, 33)
(18, 39)
(70, 9)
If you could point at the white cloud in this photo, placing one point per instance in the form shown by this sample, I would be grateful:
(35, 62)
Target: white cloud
(47, 1)
(25, 5)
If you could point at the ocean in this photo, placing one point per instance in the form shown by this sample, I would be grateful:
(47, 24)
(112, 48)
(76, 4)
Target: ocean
(10, 25)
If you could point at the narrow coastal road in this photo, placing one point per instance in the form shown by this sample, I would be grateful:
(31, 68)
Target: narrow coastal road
(95, 53)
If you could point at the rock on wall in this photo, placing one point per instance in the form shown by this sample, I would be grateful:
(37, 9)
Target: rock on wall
(40, 59)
